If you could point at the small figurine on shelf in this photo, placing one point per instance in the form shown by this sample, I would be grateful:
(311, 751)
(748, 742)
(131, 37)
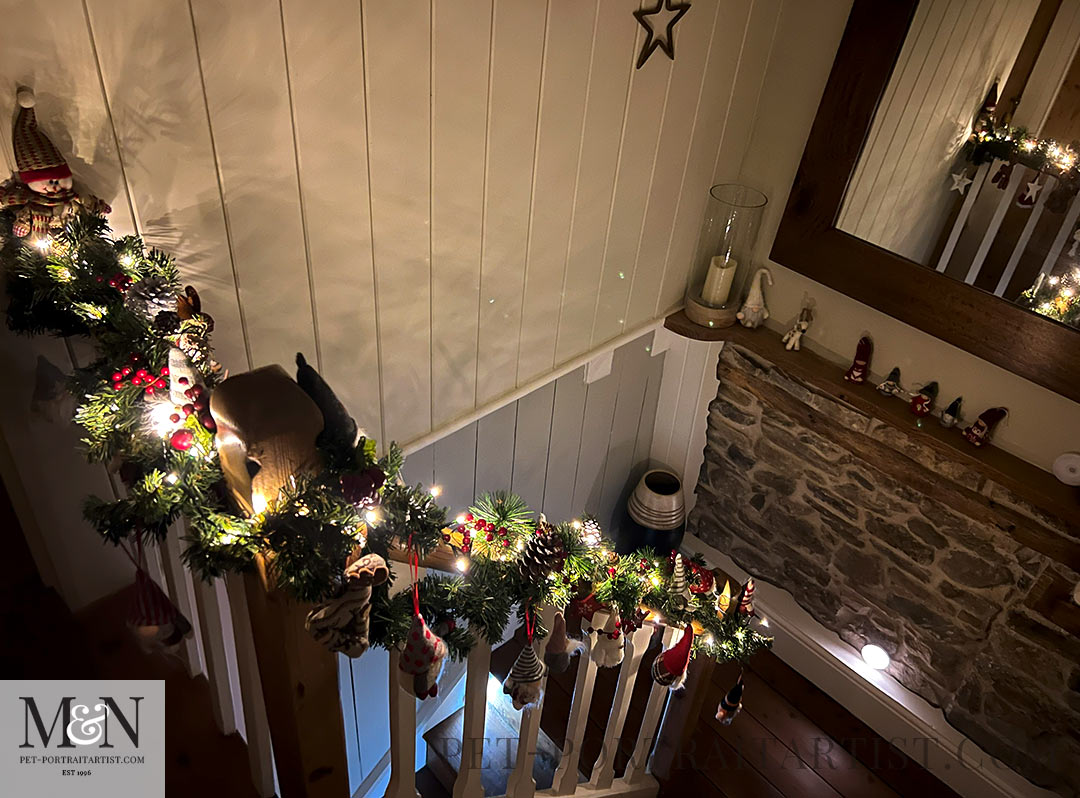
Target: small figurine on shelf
(860, 367)
(978, 434)
(753, 311)
(891, 386)
(41, 194)
(923, 400)
(951, 414)
(793, 337)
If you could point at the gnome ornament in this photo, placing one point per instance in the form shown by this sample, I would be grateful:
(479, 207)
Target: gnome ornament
(891, 386)
(678, 590)
(793, 338)
(342, 624)
(669, 667)
(923, 401)
(860, 367)
(155, 620)
(609, 646)
(951, 414)
(560, 647)
(41, 195)
(730, 704)
(743, 604)
(524, 683)
(978, 434)
(421, 659)
(753, 311)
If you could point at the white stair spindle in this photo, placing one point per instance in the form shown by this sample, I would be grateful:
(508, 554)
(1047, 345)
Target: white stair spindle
(603, 772)
(1016, 182)
(965, 210)
(182, 593)
(468, 783)
(402, 782)
(217, 658)
(1025, 237)
(260, 754)
(521, 783)
(637, 767)
(565, 781)
(1068, 224)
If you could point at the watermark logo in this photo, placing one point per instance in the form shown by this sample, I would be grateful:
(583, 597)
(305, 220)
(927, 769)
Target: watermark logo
(108, 736)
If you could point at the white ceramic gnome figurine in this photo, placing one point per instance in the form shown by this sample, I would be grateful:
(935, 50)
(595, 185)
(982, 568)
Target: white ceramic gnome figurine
(523, 684)
(753, 311)
(41, 192)
(609, 646)
(669, 667)
(421, 660)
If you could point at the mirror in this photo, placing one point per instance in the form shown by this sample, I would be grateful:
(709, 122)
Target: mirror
(971, 164)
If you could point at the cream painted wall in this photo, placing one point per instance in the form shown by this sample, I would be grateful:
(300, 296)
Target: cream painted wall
(1041, 425)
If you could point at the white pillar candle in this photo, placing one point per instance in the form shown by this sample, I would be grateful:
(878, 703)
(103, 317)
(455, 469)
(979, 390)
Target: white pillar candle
(718, 281)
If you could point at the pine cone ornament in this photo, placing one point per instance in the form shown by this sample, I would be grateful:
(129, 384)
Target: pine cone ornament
(590, 530)
(544, 553)
(151, 296)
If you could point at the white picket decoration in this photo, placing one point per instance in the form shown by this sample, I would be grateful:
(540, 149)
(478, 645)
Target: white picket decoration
(566, 776)
(468, 783)
(521, 783)
(603, 772)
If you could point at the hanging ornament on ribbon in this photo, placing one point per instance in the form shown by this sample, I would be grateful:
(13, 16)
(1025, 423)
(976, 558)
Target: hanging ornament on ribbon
(525, 682)
(669, 667)
(424, 651)
(152, 616)
(731, 703)
(560, 647)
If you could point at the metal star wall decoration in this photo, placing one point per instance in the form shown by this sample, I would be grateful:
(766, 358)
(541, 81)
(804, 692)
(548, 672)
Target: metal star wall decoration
(662, 37)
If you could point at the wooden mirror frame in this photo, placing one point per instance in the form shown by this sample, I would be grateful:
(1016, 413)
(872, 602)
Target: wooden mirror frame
(808, 241)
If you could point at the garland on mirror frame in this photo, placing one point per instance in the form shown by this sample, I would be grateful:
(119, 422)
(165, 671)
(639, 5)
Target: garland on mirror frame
(261, 465)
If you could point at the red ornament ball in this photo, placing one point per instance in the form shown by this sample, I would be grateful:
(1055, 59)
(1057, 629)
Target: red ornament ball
(506, 544)
(136, 380)
(489, 537)
(125, 370)
(118, 386)
(175, 418)
(160, 383)
(502, 532)
(149, 390)
(611, 571)
(117, 376)
(468, 516)
(182, 439)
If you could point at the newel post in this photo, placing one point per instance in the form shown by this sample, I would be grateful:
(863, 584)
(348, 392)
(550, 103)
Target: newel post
(300, 688)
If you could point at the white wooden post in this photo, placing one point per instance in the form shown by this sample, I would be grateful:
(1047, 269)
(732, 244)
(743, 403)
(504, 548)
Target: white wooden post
(183, 595)
(1066, 229)
(521, 783)
(1025, 237)
(260, 753)
(637, 767)
(402, 737)
(468, 783)
(566, 776)
(603, 772)
(217, 660)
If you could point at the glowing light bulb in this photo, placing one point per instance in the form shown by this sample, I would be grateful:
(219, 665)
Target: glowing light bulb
(576, 524)
(435, 490)
(43, 243)
(520, 545)
(460, 519)
(371, 517)
(127, 260)
(875, 656)
(172, 478)
(709, 640)
(655, 580)
(765, 622)
(462, 564)
(259, 503)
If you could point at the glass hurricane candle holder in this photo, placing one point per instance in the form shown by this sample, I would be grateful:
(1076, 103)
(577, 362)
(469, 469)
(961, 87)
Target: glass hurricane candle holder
(723, 259)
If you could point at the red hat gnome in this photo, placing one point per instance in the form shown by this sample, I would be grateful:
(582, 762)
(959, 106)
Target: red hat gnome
(42, 195)
(730, 704)
(560, 647)
(669, 667)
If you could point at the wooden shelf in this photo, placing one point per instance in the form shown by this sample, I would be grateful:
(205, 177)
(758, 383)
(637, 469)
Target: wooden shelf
(1027, 481)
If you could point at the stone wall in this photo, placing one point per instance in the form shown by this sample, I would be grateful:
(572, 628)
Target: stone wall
(889, 540)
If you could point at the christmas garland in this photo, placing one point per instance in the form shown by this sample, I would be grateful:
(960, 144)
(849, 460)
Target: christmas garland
(326, 530)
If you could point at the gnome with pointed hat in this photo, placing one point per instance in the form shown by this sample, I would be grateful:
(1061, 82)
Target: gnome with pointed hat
(753, 311)
(155, 620)
(730, 704)
(524, 682)
(41, 194)
(560, 647)
(669, 667)
(421, 659)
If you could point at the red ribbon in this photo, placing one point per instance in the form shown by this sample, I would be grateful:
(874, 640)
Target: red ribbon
(528, 620)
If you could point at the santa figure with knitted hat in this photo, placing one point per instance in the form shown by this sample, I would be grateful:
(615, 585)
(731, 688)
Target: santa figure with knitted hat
(41, 194)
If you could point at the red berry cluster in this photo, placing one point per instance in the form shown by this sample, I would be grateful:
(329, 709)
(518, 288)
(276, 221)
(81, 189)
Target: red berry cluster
(199, 405)
(482, 527)
(135, 375)
(120, 281)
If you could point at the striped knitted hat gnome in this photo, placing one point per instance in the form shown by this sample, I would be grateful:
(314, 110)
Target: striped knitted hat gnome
(523, 682)
(35, 156)
(730, 704)
(669, 667)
